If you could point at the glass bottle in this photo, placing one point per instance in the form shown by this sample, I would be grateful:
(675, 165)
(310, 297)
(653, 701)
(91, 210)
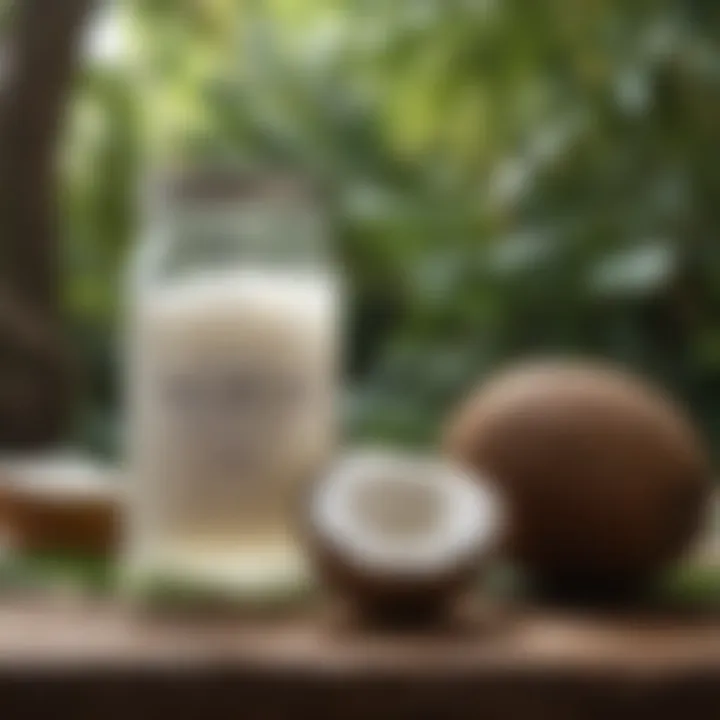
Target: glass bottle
(233, 340)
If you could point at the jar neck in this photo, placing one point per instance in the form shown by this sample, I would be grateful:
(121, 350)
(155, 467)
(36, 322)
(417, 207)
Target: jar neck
(208, 235)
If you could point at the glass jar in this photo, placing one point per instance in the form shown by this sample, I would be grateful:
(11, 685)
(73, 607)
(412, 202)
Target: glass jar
(233, 343)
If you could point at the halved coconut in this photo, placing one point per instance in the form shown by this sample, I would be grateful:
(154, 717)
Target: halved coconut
(402, 536)
(60, 503)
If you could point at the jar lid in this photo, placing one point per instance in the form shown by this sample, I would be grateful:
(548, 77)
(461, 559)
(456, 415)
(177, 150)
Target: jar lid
(237, 184)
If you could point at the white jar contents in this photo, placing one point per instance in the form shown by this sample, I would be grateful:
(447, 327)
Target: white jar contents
(232, 395)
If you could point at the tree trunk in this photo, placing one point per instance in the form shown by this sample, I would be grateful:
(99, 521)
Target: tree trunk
(38, 62)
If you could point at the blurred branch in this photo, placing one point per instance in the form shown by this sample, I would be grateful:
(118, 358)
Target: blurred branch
(34, 381)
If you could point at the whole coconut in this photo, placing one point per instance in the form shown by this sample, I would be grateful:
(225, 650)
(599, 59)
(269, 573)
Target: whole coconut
(605, 478)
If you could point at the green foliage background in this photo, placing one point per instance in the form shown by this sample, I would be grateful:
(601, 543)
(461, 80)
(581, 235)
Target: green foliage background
(511, 177)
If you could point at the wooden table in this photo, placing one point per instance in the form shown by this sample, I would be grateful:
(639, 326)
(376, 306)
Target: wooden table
(100, 661)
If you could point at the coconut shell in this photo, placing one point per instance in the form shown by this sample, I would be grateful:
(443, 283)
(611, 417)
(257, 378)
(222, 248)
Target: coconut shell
(391, 599)
(605, 477)
(87, 526)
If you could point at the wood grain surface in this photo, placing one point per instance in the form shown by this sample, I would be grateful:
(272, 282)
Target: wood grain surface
(77, 659)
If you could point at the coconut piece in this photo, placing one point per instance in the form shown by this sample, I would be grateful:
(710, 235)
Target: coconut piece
(400, 537)
(60, 503)
(606, 478)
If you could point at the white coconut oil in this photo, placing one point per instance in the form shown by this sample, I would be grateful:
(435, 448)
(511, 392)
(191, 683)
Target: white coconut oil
(233, 344)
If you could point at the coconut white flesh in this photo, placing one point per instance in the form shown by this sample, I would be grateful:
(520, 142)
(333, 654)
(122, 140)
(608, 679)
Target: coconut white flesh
(61, 478)
(405, 515)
